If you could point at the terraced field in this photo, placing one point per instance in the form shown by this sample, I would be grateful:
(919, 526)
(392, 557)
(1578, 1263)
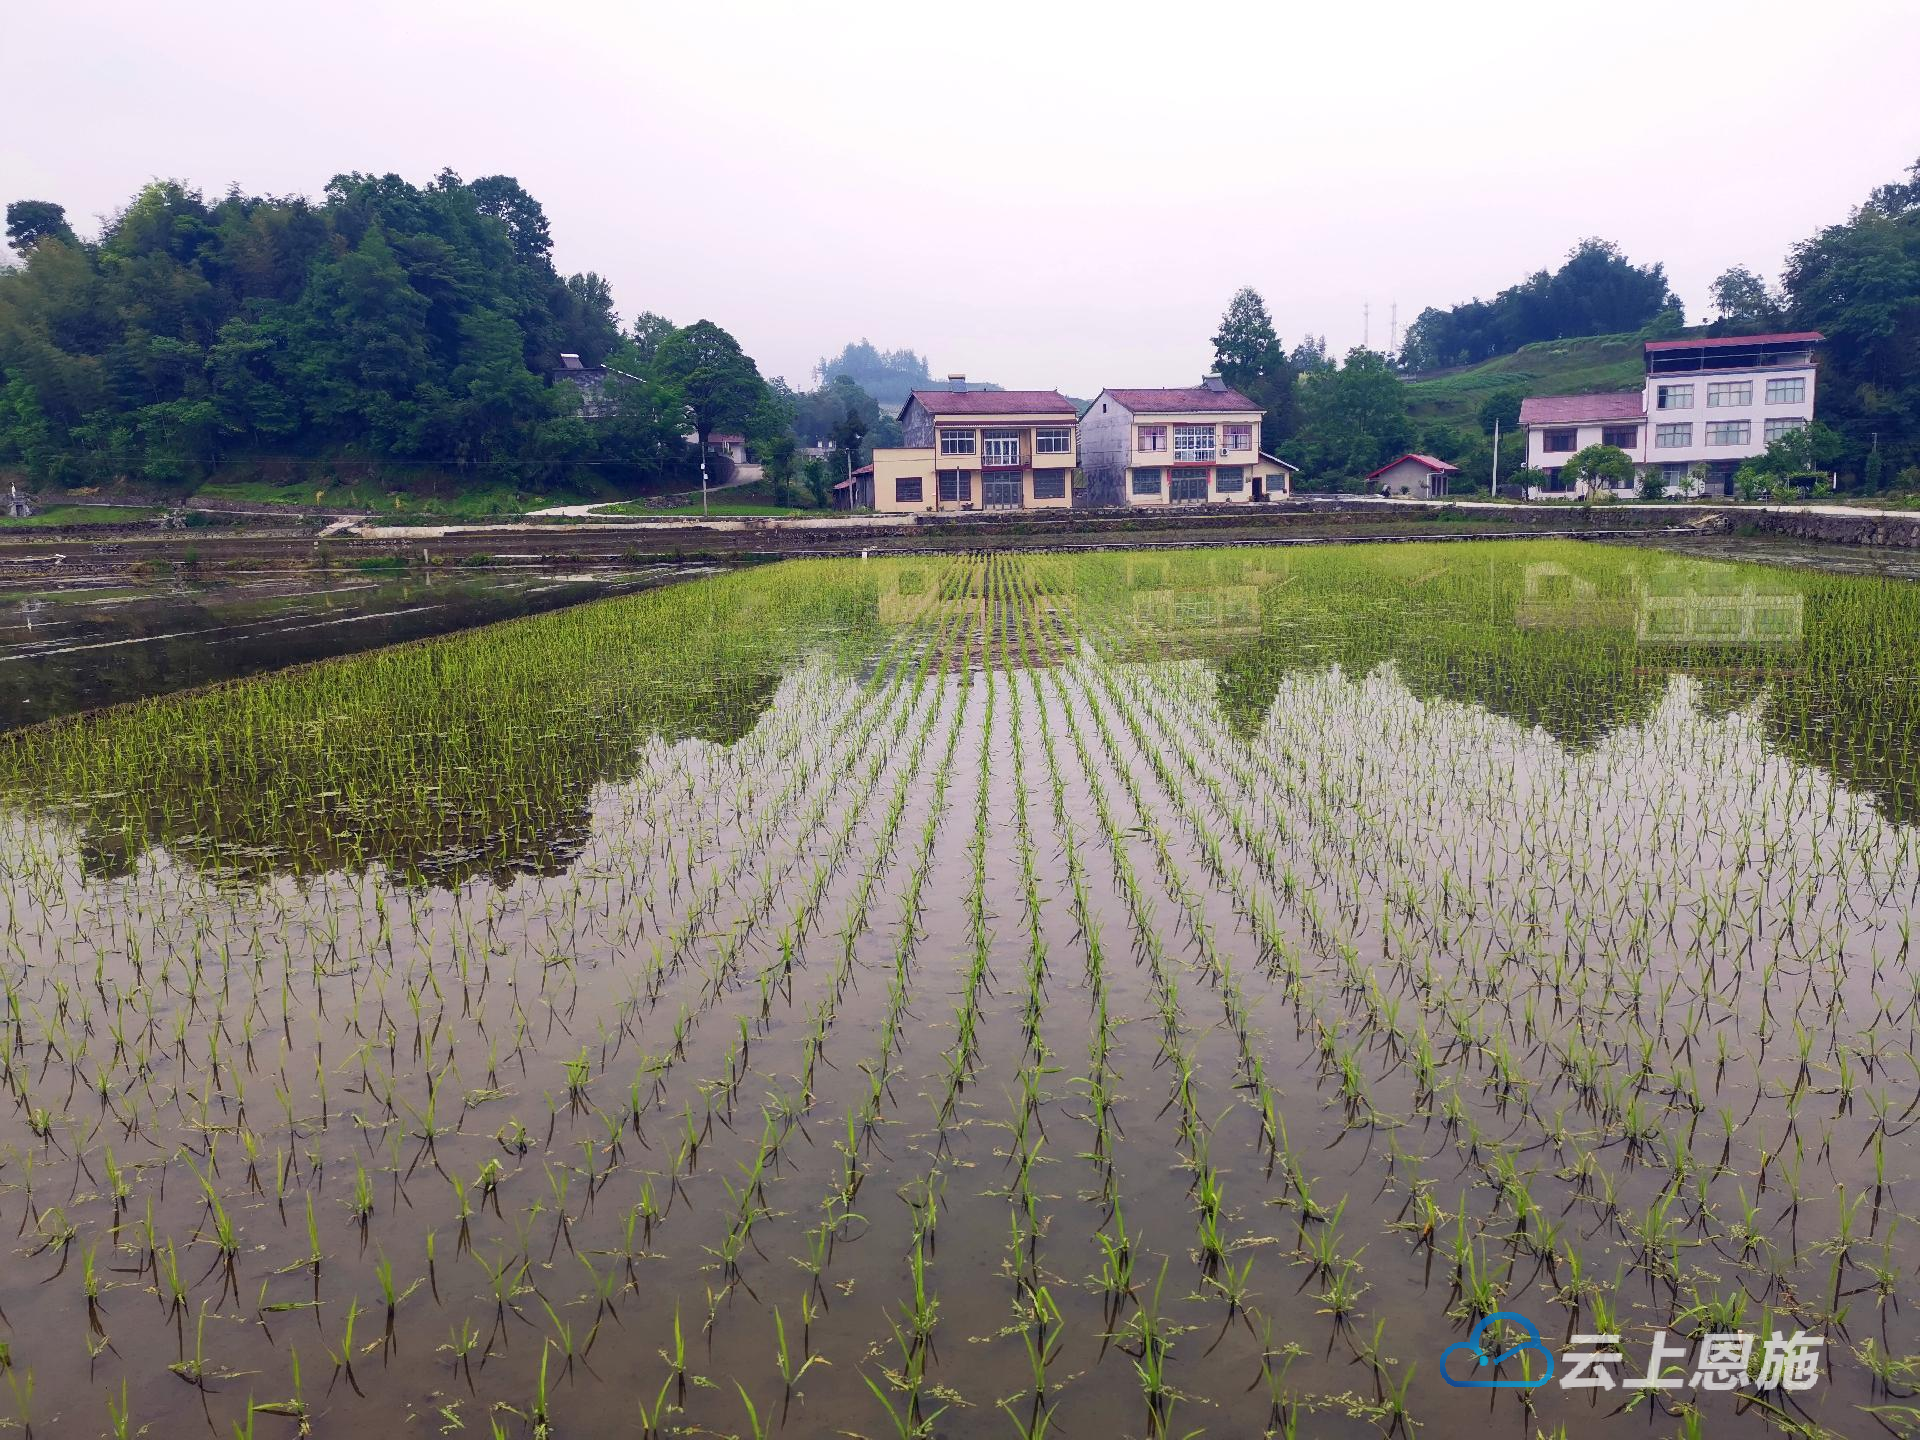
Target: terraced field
(1155, 994)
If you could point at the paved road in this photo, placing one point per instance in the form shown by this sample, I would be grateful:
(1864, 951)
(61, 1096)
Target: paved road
(742, 475)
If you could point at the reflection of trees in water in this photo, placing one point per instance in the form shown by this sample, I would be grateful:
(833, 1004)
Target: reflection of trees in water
(476, 754)
(1551, 634)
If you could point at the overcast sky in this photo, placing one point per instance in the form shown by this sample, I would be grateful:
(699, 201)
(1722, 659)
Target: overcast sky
(1040, 194)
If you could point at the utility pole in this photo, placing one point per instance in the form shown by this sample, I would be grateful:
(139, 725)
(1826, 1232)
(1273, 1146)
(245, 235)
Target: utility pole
(1393, 329)
(1366, 324)
(1496, 457)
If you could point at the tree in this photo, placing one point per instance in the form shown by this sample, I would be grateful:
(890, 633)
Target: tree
(1596, 291)
(1310, 356)
(1600, 465)
(1247, 353)
(500, 197)
(1502, 407)
(1354, 418)
(1743, 301)
(889, 376)
(31, 221)
(1858, 283)
(718, 384)
(649, 330)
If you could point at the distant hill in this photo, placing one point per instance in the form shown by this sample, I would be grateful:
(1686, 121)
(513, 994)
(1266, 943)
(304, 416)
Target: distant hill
(1549, 367)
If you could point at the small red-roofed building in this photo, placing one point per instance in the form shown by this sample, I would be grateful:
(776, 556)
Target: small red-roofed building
(1413, 476)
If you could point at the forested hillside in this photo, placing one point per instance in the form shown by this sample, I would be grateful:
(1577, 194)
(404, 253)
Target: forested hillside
(411, 326)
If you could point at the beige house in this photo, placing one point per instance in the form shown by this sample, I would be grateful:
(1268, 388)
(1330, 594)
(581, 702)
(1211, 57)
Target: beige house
(979, 450)
(1197, 444)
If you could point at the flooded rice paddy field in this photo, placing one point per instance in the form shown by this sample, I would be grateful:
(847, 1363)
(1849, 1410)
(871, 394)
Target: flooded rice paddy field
(87, 643)
(1118, 995)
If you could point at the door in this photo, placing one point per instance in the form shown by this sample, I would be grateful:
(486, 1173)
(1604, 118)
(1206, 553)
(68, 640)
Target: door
(1000, 490)
(1187, 487)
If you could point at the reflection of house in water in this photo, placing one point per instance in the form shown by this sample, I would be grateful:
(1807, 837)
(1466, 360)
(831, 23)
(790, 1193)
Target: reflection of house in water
(1746, 618)
(1670, 607)
(1196, 599)
(1554, 597)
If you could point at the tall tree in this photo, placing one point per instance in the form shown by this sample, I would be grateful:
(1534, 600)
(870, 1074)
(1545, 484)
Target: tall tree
(1858, 283)
(718, 384)
(649, 330)
(31, 221)
(1742, 300)
(1247, 353)
(1353, 418)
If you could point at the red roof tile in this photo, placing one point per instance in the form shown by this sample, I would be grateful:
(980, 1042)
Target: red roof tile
(995, 402)
(1426, 460)
(1722, 342)
(1181, 397)
(1567, 409)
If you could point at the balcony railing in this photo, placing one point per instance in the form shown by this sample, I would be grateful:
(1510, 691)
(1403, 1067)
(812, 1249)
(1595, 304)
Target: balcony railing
(1194, 454)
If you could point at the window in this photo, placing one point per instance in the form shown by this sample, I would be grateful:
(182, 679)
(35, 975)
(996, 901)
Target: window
(1152, 437)
(956, 442)
(999, 447)
(1722, 393)
(1560, 442)
(1238, 437)
(1193, 442)
(906, 490)
(1676, 397)
(1624, 436)
(1229, 479)
(1146, 482)
(956, 487)
(1783, 425)
(1729, 432)
(1672, 437)
(1053, 440)
(1787, 392)
(1049, 484)
(1187, 484)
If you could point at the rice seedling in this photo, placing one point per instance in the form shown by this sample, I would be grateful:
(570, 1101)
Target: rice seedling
(1366, 922)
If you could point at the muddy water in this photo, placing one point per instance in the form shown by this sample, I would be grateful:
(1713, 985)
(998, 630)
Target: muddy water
(70, 648)
(1511, 920)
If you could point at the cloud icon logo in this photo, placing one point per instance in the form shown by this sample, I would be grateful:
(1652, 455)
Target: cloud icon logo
(1482, 1358)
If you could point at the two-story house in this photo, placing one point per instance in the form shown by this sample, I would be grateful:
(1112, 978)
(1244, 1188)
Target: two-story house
(979, 449)
(1184, 445)
(1709, 402)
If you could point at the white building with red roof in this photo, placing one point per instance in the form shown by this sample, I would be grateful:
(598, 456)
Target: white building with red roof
(1705, 405)
(1174, 445)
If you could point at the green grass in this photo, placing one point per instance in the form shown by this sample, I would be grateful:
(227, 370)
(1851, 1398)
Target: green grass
(1551, 367)
(82, 515)
(471, 503)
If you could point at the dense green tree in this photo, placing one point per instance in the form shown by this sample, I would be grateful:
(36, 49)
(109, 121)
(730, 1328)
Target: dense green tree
(392, 321)
(1596, 291)
(1858, 283)
(1743, 302)
(648, 331)
(31, 221)
(1352, 419)
(1599, 465)
(1247, 353)
(718, 384)
(1310, 356)
(1503, 407)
